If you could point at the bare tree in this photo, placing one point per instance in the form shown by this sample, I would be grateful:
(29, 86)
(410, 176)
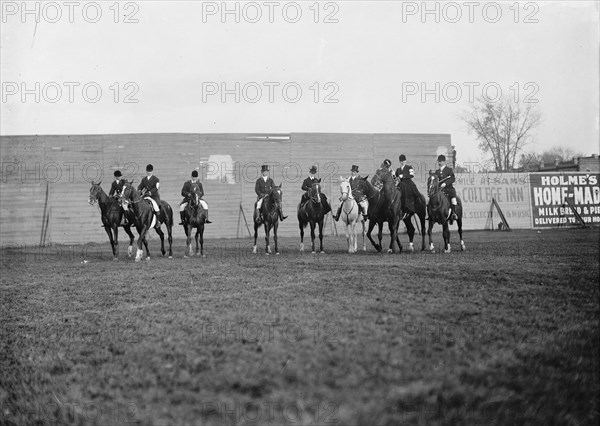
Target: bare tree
(503, 128)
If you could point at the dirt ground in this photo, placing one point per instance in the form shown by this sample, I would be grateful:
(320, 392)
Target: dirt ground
(506, 332)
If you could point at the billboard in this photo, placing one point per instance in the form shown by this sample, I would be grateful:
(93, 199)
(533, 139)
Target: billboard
(510, 190)
(552, 192)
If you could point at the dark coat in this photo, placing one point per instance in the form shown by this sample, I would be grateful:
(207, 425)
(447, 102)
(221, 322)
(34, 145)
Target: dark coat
(188, 189)
(150, 186)
(262, 188)
(405, 173)
(308, 182)
(447, 174)
(116, 187)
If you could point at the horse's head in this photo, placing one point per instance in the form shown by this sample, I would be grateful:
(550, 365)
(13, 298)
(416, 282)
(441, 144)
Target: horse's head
(314, 192)
(276, 195)
(345, 188)
(95, 192)
(432, 184)
(377, 181)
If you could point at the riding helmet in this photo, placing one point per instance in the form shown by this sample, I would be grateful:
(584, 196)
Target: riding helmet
(149, 168)
(441, 157)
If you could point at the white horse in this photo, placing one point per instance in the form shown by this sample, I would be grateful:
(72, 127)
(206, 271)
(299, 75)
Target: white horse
(350, 216)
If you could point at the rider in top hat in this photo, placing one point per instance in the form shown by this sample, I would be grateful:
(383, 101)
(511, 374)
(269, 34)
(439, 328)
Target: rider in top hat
(263, 187)
(405, 173)
(363, 205)
(149, 187)
(191, 187)
(115, 190)
(446, 178)
(307, 184)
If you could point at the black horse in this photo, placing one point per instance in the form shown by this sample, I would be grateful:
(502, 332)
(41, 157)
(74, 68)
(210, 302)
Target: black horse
(144, 219)
(385, 205)
(413, 203)
(312, 212)
(111, 214)
(194, 217)
(438, 210)
(269, 211)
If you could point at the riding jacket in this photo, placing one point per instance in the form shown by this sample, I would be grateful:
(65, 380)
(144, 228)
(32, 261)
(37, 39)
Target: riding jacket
(188, 189)
(116, 187)
(263, 187)
(150, 186)
(448, 174)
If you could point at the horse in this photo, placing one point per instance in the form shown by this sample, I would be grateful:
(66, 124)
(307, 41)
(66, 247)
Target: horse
(385, 205)
(111, 214)
(270, 214)
(438, 209)
(351, 216)
(144, 219)
(195, 216)
(312, 212)
(420, 209)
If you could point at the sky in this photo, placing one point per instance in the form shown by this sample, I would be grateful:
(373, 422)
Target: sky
(306, 66)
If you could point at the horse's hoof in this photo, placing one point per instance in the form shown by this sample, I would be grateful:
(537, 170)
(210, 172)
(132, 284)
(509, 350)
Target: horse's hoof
(462, 246)
(277, 253)
(185, 256)
(254, 249)
(389, 251)
(203, 255)
(170, 257)
(322, 251)
(137, 260)
(115, 259)
(266, 254)
(148, 258)
(314, 252)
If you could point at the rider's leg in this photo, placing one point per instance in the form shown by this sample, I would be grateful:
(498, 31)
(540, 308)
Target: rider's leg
(257, 211)
(337, 214)
(182, 207)
(364, 208)
(281, 216)
(205, 207)
(453, 205)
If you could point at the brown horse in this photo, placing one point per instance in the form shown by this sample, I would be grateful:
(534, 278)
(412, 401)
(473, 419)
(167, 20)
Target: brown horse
(144, 219)
(111, 214)
(194, 217)
(438, 210)
(385, 205)
(312, 212)
(270, 213)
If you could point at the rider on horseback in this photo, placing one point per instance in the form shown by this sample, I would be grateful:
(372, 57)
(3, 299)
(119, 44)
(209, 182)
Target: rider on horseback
(263, 187)
(446, 179)
(115, 190)
(307, 185)
(405, 173)
(190, 188)
(363, 203)
(148, 188)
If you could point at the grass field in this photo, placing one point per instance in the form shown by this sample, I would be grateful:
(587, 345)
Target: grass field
(504, 333)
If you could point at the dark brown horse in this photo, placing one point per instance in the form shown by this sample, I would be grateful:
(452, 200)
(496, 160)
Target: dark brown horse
(312, 212)
(111, 214)
(414, 203)
(194, 217)
(438, 210)
(385, 205)
(144, 219)
(269, 211)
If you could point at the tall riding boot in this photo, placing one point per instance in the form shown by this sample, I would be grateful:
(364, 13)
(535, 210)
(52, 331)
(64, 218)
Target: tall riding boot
(454, 215)
(206, 217)
(182, 216)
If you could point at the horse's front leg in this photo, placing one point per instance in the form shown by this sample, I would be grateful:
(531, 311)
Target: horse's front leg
(312, 235)
(422, 220)
(275, 226)
(371, 226)
(170, 239)
(131, 240)
(201, 233)
(301, 225)
(267, 231)
(429, 228)
(446, 233)
(109, 232)
(380, 234)
(188, 240)
(161, 234)
(347, 225)
(321, 235)
(142, 240)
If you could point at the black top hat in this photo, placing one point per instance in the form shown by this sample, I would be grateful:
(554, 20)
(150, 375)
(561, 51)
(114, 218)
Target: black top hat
(264, 168)
(117, 173)
(149, 168)
(441, 157)
(402, 157)
(387, 163)
(195, 173)
(354, 168)
(313, 169)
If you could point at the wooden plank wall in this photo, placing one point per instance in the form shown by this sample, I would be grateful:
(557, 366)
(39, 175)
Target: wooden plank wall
(229, 165)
